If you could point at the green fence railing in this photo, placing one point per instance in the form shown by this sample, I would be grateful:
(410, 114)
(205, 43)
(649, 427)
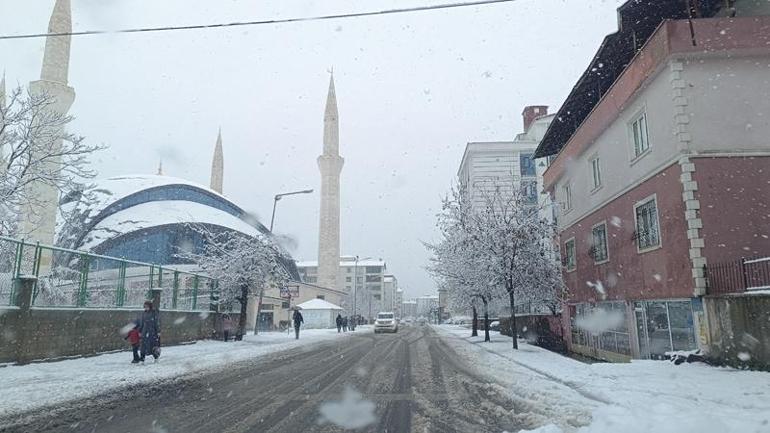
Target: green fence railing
(71, 278)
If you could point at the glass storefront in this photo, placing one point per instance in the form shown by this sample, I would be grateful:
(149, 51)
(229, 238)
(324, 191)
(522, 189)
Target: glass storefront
(663, 326)
(587, 329)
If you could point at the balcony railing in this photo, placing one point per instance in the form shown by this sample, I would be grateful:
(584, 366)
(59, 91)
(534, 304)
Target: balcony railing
(738, 275)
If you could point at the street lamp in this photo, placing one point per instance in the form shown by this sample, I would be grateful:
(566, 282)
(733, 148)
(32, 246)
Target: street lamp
(355, 284)
(281, 195)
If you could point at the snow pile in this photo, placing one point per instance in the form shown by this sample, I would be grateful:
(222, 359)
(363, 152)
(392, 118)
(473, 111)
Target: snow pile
(564, 395)
(36, 385)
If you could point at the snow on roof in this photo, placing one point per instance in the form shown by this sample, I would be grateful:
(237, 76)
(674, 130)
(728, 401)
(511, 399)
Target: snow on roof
(156, 213)
(113, 189)
(318, 304)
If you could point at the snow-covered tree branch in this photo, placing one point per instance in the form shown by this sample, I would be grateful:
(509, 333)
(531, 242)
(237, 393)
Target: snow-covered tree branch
(36, 148)
(242, 265)
(495, 246)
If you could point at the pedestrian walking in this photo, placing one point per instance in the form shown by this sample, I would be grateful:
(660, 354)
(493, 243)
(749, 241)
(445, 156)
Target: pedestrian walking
(149, 329)
(345, 324)
(298, 320)
(227, 326)
(339, 322)
(134, 338)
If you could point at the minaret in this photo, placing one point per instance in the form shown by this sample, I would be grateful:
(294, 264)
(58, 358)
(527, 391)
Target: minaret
(217, 165)
(39, 215)
(2, 106)
(330, 164)
(160, 168)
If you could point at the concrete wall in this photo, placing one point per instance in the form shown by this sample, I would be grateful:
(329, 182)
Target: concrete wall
(739, 329)
(54, 333)
(734, 206)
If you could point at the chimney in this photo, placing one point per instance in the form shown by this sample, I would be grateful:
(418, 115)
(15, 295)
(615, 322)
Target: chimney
(532, 112)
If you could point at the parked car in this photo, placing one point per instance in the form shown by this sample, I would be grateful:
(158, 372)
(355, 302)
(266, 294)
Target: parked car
(385, 322)
(494, 326)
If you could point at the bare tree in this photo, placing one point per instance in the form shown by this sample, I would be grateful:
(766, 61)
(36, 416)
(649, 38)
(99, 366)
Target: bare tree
(36, 148)
(242, 265)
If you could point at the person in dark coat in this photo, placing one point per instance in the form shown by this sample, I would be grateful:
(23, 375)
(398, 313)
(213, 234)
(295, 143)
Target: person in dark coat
(345, 324)
(149, 328)
(227, 326)
(339, 322)
(134, 338)
(298, 320)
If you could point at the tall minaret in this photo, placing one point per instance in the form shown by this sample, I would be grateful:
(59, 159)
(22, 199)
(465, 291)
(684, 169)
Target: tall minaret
(330, 163)
(217, 165)
(39, 216)
(2, 106)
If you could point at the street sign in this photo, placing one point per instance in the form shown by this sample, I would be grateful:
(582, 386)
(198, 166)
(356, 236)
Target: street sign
(290, 291)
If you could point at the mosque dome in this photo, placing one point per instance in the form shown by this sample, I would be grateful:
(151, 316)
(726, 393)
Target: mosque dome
(147, 218)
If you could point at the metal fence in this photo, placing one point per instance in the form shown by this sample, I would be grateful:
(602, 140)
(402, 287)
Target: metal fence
(738, 275)
(70, 278)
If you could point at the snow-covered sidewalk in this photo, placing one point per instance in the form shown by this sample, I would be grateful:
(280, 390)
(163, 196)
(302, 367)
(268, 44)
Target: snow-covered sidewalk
(565, 395)
(36, 385)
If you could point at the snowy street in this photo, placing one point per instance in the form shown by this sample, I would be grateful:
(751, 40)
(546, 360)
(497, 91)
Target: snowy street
(560, 394)
(409, 381)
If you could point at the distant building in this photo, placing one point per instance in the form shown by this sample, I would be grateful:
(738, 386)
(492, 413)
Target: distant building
(389, 286)
(426, 305)
(365, 279)
(397, 303)
(409, 309)
(509, 165)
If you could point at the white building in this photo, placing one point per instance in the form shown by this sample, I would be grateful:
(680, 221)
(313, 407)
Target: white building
(397, 303)
(409, 309)
(426, 305)
(486, 166)
(319, 314)
(363, 280)
(389, 287)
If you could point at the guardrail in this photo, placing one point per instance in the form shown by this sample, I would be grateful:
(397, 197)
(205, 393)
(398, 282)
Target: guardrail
(71, 278)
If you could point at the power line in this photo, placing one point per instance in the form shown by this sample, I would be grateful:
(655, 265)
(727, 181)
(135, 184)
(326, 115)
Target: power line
(263, 22)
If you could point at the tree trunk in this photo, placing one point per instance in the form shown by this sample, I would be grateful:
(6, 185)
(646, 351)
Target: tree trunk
(513, 319)
(244, 300)
(259, 309)
(475, 328)
(486, 320)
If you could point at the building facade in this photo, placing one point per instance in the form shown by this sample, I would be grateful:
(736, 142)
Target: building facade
(661, 178)
(487, 166)
(362, 280)
(409, 309)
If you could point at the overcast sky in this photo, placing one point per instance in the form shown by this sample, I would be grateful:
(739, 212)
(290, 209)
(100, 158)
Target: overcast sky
(412, 90)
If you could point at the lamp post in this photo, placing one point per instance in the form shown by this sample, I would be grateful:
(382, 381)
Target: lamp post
(281, 195)
(355, 284)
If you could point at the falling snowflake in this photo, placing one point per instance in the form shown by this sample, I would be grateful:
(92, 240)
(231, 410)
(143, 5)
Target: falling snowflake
(352, 412)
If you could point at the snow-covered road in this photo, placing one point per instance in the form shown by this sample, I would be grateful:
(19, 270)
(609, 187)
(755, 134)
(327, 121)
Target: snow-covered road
(44, 384)
(563, 394)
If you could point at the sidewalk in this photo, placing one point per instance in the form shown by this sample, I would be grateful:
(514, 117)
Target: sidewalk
(33, 386)
(565, 395)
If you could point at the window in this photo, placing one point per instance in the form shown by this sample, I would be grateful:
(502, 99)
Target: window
(569, 255)
(647, 227)
(285, 305)
(349, 270)
(320, 297)
(597, 172)
(639, 135)
(373, 269)
(599, 248)
(527, 164)
(348, 279)
(529, 188)
(373, 278)
(567, 191)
